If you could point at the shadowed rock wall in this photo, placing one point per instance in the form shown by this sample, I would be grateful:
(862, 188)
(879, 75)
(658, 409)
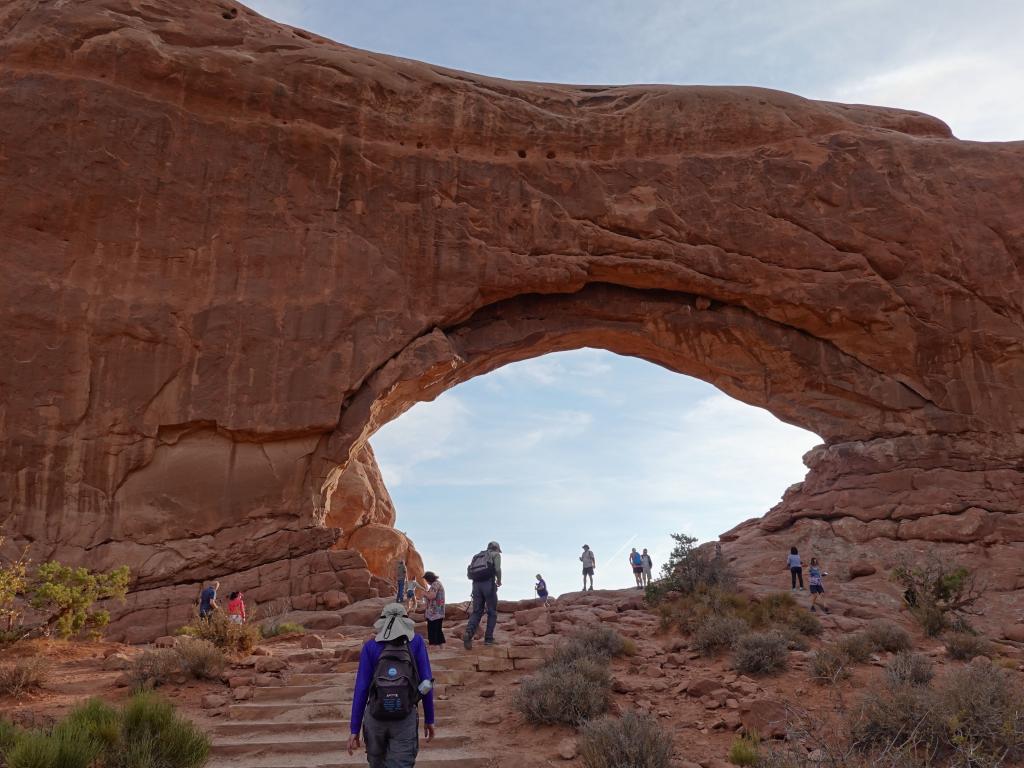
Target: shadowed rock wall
(232, 249)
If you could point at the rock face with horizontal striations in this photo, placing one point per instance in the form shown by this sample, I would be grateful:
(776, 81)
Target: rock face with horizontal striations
(233, 249)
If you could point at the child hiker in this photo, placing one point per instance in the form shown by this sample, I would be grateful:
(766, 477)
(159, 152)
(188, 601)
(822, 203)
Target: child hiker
(817, 588)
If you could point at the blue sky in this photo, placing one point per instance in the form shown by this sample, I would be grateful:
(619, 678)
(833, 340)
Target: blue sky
(588, 447)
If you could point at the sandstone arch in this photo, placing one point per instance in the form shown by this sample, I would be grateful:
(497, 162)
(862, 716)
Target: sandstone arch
(233, 247)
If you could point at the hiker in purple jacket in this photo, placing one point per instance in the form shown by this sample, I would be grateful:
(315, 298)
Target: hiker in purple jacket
(388, 716)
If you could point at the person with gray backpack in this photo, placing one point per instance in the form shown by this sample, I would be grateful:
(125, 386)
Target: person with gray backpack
(393, 678)
(485, 572)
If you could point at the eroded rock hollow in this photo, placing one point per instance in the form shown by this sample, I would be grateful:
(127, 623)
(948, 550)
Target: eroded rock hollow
(233, 249)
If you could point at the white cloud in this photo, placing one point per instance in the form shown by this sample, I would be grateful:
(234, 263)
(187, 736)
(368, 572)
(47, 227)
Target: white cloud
(426, 432)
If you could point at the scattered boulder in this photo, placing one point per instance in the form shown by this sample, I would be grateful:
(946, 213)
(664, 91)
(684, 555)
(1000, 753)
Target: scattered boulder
(312, 641)
(213, 701)
(266, 664)
(567, 749)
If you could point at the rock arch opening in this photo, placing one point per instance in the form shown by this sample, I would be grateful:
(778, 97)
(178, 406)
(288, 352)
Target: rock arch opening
(584, 444)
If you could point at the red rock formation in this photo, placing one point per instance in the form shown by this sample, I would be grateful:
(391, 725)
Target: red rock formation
(233, 249)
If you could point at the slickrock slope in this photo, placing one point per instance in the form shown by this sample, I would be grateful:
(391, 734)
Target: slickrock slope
(232, 249)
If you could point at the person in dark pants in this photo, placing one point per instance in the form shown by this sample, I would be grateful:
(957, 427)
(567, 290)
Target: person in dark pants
(391, 743)
(400, 573)
(485, 572)
(434, 610)
(796, 569)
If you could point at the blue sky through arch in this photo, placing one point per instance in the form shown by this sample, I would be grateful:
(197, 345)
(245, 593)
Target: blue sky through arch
(582, 447)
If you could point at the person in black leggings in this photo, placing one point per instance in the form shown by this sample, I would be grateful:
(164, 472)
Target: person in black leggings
(796, 570)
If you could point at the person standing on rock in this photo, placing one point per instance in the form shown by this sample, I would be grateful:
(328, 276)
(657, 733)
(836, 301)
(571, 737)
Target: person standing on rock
(393, 677)
(400, 574)
(434, 611)
(817, 586)
(648, 564)
(541, 588)
(589, 564)
(208, 600)
(485, 573)
(636, 562)
(796, 569)
(236, 608)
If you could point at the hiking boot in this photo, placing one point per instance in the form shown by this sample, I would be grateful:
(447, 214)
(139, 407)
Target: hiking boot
(488, 642)
(467, 641)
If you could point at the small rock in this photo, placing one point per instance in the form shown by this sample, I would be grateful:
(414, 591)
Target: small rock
(491, 718)
(259, 650)
(117, 661)
(242, 693)
(213, 701)
(567, 748)
(270, 664)
(165, 642)
(487, 693)
(312, 641)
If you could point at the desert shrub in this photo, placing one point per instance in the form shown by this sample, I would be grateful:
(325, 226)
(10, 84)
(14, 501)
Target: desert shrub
(829, 665)
(886, 636)
(274, 629)
(690, 568)
(63, 747)
(964, 646)
(856, 647)
(982, 712)
(897, 719)
(200, 658)
(760, 653)
(718, 632)
(803, 622)
(634, 741)
(153, 668)
(594, 642)
(938, 593)
(8, 734)
(745, 750)
(908, 668)
(13, 584)
(23, 675)
(567, 690)
(795, 640)
(225, 634)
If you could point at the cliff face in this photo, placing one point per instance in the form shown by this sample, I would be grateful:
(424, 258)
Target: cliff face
(232, 249)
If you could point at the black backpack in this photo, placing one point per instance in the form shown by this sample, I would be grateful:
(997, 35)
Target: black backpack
(481, 567)
(393, 692)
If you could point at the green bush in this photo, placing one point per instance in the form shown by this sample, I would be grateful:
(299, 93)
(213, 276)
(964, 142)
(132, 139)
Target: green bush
(803, 622)
(634, 741)
(745, 750)
(795, 640)
(200, 659)
(568, 690)
(63, 747)
(225, 634)
(23, 675)
(691, 569)
(857, 647)
(964, 646)
(156, 736)
(282, 628)
(67, 596)
(761, 653)
(938, 593)
(886, 636)
(829, 665)
(594, 642)
(718, 632)
(8, 733)
(908, 668)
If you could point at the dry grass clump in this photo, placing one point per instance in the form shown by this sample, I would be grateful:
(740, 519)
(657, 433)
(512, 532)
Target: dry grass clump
(964, 646)
(594, 642)
(156, 667)
(225, 634)
(275, 629)
(886, 636)
(200, 659)
(635, 740)
(717, 633)
(857, 647)
(745, 750)
(23, 675)
(829, 666)
(907, 668)
(761, 653)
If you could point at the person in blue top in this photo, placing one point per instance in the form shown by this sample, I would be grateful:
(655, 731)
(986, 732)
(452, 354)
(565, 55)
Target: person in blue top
(817, 585)
(636, 562)
(391, 742)
(208, 600)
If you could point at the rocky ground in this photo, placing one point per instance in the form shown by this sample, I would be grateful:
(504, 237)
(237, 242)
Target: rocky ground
(287, 705)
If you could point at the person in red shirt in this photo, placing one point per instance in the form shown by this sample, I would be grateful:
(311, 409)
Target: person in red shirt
(236, 608)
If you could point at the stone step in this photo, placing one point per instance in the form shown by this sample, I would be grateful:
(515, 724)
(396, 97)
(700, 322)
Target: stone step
(429, 757)
(290, 712)
(303, 693)
(237, 729)
(325, 748)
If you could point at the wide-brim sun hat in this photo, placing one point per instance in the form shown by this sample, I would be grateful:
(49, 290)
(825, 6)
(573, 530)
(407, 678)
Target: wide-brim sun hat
(393, 623)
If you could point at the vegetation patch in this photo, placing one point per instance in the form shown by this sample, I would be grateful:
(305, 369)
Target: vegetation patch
(907, 668)
(761, 653)
(23, 675)
(829, 665)
(634, 740)
(719, 632)
(940, 595)
(886, 636)
(223, 633)
(275, 629)
(745, 750)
